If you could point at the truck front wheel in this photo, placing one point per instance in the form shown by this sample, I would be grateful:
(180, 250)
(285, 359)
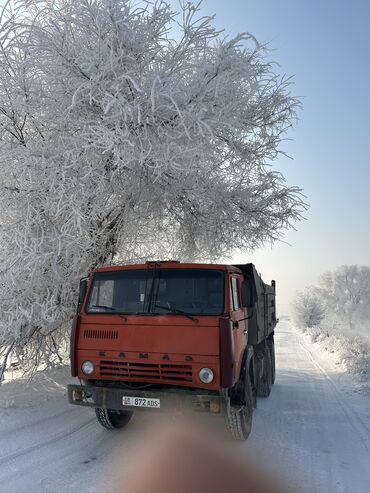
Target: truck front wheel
(111, 419)
(239, 418)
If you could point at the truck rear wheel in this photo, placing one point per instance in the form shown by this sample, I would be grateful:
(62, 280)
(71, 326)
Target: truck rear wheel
(239, 419)
(271, 346)
(265, 383)
(111, 419)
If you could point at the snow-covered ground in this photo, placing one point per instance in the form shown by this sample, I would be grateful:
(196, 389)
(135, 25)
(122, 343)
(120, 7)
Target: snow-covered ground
(350, 350)
(314, 429)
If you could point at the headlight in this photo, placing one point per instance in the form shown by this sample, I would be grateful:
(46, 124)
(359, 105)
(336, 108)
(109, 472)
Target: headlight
(88, 367)
(206, 375)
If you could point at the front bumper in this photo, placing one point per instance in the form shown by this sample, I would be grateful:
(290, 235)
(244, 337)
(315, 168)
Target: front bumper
(171, 401)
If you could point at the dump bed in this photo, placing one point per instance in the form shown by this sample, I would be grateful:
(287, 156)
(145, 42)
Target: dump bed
(263, 313)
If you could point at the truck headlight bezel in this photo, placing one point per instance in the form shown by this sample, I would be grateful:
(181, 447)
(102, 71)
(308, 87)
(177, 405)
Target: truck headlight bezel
(88, 367)
(206, 375)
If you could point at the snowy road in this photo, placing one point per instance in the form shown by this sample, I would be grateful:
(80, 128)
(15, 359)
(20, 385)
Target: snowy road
(317, 429)
(312, 429)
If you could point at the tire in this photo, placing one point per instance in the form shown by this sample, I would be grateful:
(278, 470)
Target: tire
(111, 419)
(271, 346)
(265, 383)
(239, 420)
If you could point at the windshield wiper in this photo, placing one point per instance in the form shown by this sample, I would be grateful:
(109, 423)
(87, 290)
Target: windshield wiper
(174, 310)
(104, 307)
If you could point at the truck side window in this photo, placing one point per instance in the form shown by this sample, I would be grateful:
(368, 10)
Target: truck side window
(102, 293)
(235, 293)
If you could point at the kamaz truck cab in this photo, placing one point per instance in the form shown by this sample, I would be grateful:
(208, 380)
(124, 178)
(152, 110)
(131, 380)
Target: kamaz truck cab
(164, 336)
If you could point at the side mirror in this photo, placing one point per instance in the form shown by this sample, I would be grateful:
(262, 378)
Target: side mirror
(247, 294)
(82, 293)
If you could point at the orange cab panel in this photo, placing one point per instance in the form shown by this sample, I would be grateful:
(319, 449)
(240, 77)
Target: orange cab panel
(153, 349)
(159, 334)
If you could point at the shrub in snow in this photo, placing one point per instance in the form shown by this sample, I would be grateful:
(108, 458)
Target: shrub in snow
(119, 142)
(351, 350)
(308, 308)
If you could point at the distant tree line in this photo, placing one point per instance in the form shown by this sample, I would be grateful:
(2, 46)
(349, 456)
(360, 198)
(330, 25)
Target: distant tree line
(341, 297)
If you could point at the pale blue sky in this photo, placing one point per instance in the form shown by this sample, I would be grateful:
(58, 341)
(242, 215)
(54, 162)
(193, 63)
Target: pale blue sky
(326, 44)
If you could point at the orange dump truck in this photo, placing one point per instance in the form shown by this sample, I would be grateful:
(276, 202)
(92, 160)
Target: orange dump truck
(163, 336)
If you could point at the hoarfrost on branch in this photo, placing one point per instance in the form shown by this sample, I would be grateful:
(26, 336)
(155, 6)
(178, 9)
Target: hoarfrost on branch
(121, 142)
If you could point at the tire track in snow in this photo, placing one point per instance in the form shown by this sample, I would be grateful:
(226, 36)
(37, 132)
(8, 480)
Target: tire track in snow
(50, 441)
(17, 429)
(353, 418)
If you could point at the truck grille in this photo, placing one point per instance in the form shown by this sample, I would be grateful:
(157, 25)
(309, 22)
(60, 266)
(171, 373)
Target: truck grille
(146, 371)
(100, 334)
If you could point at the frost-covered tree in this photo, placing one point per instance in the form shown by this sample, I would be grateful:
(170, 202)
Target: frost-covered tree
(346, 292)
(308, 308)
(120, 140)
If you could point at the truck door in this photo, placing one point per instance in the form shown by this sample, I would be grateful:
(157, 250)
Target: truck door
(239, 325)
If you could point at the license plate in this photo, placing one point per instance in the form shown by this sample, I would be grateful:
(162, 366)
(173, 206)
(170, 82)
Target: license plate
(141, 402)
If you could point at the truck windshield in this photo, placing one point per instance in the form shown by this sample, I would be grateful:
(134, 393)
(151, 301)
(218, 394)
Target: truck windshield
(159, 291)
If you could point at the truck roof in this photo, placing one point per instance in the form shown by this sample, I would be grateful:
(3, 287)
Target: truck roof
(167, 264)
